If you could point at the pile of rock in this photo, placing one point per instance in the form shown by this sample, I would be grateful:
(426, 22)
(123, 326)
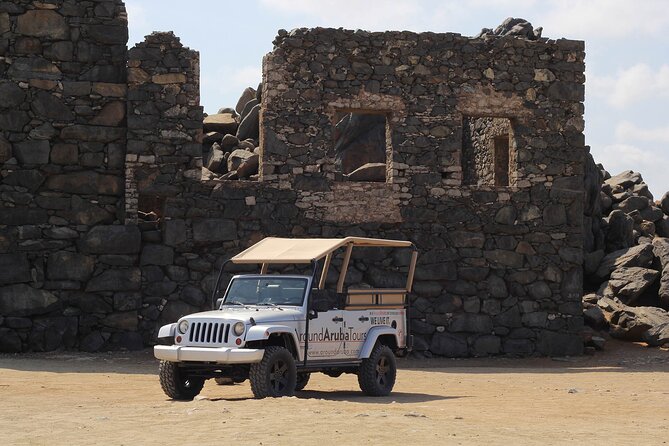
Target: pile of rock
(626, 262)
(513, 27)
(230, 144)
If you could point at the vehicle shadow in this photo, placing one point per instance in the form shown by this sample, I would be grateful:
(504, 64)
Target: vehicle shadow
(356, 396)
(353, 397)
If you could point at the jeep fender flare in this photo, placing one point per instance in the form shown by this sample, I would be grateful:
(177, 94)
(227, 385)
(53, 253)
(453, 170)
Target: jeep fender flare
(167, 331)
(373, 335)
(263, 332)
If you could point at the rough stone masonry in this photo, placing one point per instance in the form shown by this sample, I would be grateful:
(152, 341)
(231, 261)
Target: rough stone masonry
(483, 172)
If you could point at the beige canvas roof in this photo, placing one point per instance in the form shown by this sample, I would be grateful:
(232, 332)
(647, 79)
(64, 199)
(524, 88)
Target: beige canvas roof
(293, 250)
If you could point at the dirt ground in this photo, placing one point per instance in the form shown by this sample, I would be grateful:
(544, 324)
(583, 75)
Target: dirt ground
(620, 396)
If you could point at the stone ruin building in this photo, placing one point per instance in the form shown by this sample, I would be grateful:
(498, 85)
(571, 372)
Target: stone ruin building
(480, 164)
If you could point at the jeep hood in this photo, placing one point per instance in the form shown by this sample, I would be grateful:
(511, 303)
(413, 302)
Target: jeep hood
(259, 314)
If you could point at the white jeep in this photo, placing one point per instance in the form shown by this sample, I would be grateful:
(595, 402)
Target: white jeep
(277, 329)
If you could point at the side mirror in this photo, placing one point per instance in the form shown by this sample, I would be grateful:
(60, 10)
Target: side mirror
(312, 314)
(219, 301)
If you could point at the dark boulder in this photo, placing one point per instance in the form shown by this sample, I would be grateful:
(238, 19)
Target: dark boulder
(248, 94)
(223, 123)
(247, 108)
(624, 180)
(620, 231)
(633, 203)
(661, 251)
(237, 158)
(229, 142)
(641, 255)
(250, 126)
(248, 167)
(657, 335)
(212, 137)
(664, 203)
(628, 283)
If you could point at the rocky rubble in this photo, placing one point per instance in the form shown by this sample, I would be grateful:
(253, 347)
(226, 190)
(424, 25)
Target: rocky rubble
(230, 144)
(626, 258)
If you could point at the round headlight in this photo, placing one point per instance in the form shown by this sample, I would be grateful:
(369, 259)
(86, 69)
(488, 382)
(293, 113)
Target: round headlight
(238, 328)
(183, 327)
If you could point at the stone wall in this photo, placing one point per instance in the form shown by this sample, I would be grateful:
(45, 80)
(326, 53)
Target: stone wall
(107, 237)
(164, 122)
(500, 267)
(63, 137)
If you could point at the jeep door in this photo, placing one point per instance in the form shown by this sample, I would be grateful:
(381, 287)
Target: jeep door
(326, 336)
(356, 324)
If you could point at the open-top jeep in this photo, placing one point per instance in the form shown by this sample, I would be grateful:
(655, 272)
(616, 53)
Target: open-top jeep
(277, 329)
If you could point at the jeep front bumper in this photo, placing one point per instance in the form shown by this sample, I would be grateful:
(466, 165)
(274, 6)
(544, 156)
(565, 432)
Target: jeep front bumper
(220, 355)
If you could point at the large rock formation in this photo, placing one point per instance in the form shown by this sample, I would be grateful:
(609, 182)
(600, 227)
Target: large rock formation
(626, 256)
(230, 146)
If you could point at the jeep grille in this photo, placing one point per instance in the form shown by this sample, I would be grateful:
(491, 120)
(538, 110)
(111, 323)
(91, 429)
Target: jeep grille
(208, 333)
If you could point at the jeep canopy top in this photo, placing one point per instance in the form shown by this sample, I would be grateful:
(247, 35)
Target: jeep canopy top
(274, 250)
(306, 250)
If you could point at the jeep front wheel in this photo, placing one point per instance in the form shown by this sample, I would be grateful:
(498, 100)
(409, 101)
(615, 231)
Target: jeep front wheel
(275, 375)
(176, 383)
(376, 375)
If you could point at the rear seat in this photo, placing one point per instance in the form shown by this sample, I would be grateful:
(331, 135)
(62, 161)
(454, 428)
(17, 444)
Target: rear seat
(374, 298)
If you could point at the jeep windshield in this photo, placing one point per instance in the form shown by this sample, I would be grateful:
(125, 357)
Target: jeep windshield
(269, 291)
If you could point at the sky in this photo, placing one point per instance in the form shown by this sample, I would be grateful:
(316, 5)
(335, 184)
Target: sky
(627, 53)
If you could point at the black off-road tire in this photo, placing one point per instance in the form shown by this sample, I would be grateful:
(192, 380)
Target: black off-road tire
(376, 375)
(176, 384)
(302, 381)
(275, 375)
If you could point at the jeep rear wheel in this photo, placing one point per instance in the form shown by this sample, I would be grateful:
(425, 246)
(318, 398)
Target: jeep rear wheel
(275, 375)
(176, 383)
(376, 375)
(302, 381)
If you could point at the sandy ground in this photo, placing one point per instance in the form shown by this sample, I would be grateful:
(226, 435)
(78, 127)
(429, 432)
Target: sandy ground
(620, 396)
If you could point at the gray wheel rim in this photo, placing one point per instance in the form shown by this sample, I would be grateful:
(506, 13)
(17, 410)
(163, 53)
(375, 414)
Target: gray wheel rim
(278, 377)
(382, 371)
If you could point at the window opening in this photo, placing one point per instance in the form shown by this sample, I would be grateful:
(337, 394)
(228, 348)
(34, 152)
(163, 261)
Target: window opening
(230, 145)
(361, 146)
(486, 151)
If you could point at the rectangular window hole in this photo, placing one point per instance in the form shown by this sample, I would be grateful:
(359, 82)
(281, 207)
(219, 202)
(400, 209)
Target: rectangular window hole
(486, 151)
